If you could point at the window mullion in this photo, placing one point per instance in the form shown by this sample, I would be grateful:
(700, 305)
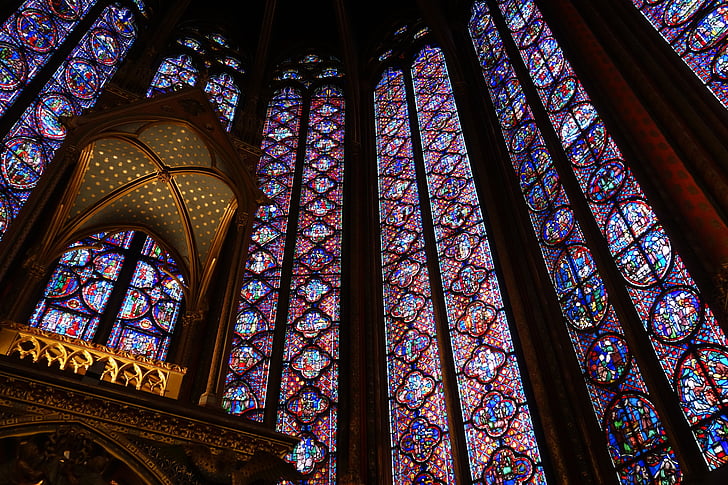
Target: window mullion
(276, 363)
(131, 258)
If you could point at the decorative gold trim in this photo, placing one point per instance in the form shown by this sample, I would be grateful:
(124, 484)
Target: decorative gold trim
(120, 367)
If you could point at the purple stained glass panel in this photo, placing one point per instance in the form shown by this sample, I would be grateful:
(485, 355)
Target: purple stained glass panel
(311, 352)
(418, 414)
(31, 143)
(173, 73)
(247, 379)
(487, 370)
(595, 330)
(642, 250)
(29, 37)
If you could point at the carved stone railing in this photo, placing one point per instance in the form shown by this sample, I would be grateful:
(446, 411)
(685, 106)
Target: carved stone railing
(114, 366)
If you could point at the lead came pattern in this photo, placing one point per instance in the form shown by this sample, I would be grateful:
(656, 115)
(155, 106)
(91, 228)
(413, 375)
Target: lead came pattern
(247, 379)
(32, 142)
(28, 39)
(612, 379)
(661, 288)
(499, 431)
(311, 353)
(697, 30)
(416, 396)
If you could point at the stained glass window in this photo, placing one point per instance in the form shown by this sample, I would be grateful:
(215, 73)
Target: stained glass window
(184, 70)
(28, 39)
(78, 294)
(80, 286)
(224, 94)
(308, 320)
(151, 306)
(247, 381)
(32, 142)
(613, 378)
(697, 30)
(689, 344)
(498, 429)
(174, 73)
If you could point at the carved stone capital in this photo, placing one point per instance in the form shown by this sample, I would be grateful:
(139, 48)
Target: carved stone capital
(192, 318)
(242, 220)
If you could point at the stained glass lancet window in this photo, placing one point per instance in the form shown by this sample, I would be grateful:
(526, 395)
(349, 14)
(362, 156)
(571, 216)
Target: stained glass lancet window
(28, 39)
(697, 30)
(613, 378)
(308, 319)
(31, 143)
(499, 432)
(689, 344)
(247, 381)
(309, 385)
(206, 57)
(78, 293)
(151, 305)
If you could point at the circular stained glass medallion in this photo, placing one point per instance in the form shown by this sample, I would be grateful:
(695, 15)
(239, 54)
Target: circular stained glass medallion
(561, 94)
(36, 30)
(642, 250)
(557, 226)
(720, 63)
(49, 111)
(608, 359)
(104, 47)
(523, 136)
(606, 181)
(676, 314)
(123, 21)
(13, 68)
(66, 9)
(82, 79)
(22, 162)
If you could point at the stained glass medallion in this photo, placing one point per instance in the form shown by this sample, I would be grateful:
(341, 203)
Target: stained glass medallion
(697, 30)
(29, 37)
(31, 143)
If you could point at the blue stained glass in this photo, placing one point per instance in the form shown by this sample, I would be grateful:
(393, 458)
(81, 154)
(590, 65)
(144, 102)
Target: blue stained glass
(151, 305)
(641, 249)
(173, 73)
(224, 94)
(80, 286)
(416, 396)
(697, 30)
(31, 143)
(599, 342)
(29, 37)
(192, 44)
